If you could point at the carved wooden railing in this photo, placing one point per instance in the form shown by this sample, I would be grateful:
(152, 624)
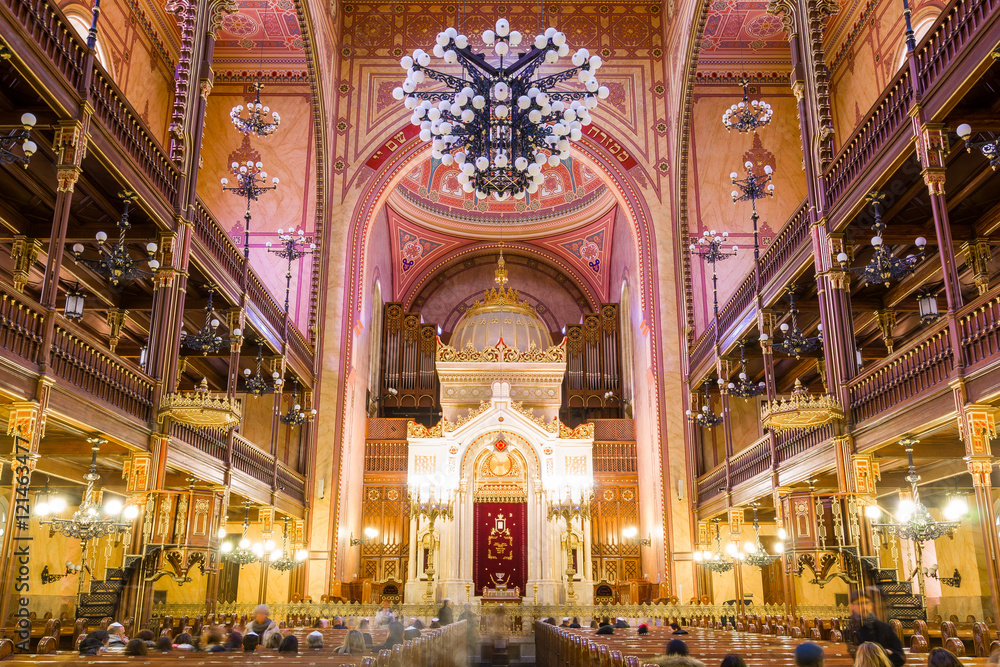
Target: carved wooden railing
(123, 123)
(202, 439)
(297, 342)
(954, 28)
(47, 26)
(292, 484)
(20, 327)
(269, 308)
(100, 374)
(752, 461)
(256, 463)
(385, 457)
(979, 332)
(712, 483)
(218, 243)
(913, 370)
(619, 457)
(789, 444)
(867, 142)
(614, 430)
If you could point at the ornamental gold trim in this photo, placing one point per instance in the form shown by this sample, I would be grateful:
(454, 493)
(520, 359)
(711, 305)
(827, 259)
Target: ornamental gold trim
(501, 352)
(200, 408)
(800, 410)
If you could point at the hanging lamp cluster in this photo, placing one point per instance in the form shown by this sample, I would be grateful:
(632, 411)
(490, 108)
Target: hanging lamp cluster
(296, 416)
(28, 147)
(744, 387)
(794, 342)
(501, 122)
(884, 267)
(207, 340)
(256, 384)
(256, 121)
(706, 417)
(116, 264)
(747, 115)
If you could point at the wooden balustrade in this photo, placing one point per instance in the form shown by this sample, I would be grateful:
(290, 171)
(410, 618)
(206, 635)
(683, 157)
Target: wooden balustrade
(920, 366)
(100, 374)
(615, 457)
(789, 444)
(126, 128)
(47, 26)
(256, 463)
(867, 142)
(712, 483)
(291, 483)
(752, 461)
(20, 327)
(202, 439)
(952, 32)
(703, 346)
(979, 332)
(269, 308)
(385, 457)
(298, 344)
(218, 243)
(793, 235)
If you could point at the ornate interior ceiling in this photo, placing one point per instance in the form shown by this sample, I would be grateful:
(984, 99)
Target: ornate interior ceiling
(571, 196)
(261, 29)
(741, 33)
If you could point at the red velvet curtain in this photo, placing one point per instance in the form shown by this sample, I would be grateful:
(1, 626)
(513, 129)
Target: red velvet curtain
(501, 546)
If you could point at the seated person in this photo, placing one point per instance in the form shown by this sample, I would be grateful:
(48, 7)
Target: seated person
(354, 644)
(315, 639)
(606, 630)
(250, 642)
(677, 629)
(677, 655)
(395, 637)
(95, 643)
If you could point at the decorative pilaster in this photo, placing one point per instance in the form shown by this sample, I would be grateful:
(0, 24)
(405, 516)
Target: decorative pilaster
(977, 257)
(885, 319)
(24, 253)
(117, 317)
(185, 12)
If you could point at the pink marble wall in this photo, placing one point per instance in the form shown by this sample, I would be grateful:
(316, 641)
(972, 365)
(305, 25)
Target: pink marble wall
(714, 154)
(288, 154)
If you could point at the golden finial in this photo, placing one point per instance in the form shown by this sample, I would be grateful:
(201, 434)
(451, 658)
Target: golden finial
(501, 272)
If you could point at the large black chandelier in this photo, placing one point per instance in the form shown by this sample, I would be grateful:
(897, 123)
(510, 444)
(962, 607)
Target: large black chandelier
(744, 387)
(256, 121)
(989, 149)
(207, 340)
(284, 559)
(747, 115)
(500, 122)
(883, 267)
(23, 135)
(296, 416)
(256, 384)
(706, 417)
(752, 188)
(794, 343)
(116, 264)
(913, 521)
(755, 552)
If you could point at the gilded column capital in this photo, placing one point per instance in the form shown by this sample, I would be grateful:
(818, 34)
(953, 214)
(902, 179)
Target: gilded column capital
(24, 252)
(981, 468)
(977, 256)
(977, 426)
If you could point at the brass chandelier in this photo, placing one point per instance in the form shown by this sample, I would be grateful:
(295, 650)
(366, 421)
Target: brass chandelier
(883, 267)
(116, 264)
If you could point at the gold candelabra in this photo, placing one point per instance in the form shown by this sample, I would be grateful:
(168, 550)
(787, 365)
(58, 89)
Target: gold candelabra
(432, 502)
(569, 500)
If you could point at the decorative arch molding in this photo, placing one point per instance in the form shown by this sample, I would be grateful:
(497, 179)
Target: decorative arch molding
(636, 213)
(483, 443)
(516, 254)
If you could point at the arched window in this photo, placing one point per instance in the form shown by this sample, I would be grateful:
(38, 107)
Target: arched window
(920, 30)
(624, 310)
(375, 350)
(82, 26)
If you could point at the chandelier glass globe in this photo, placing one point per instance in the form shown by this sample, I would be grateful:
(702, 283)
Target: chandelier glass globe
(500, 122)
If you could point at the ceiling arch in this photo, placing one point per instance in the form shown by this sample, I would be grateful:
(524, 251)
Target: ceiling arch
(453, 286)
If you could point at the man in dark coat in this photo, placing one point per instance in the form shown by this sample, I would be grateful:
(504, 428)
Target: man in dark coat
(605, 630)
(445, 614)
(866, 627)
(621, 622)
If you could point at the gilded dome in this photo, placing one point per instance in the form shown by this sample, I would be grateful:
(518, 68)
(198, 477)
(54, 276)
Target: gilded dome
(501, 315)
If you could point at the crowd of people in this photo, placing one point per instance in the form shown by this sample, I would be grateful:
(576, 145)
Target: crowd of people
(262, 631)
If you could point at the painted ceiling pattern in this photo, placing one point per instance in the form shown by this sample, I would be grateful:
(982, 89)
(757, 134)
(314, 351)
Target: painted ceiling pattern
(267, 30)
(741, 32)
(434, 186)
(414, 250)
(588, 252)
